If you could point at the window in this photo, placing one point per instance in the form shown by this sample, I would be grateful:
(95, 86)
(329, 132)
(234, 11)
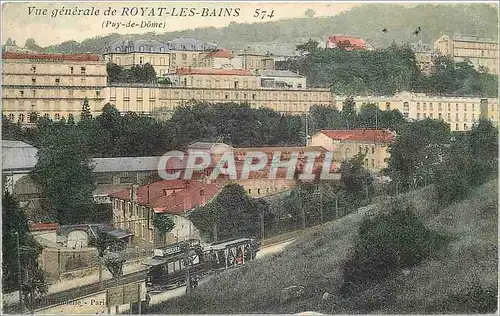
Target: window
(21, 118)
(431, 115)
(82, 70)
(58, 81)
(33, 80)
(456, 117)
(449, 117)
(162, 49)
(359, 149)
(440, 107)
(21, 92)
(152, 60)
(449, 106)
(184, 56)
(141, 60)
(425, 115)
(141, 48)
(456, 127)
(33, 69)
(406, 114)
(430, 106)
(97, 93)
(373, 162)
(71, 70)
(425, 106)
(465, 126)
(465, 107)
(406, 105)
(236, 84)
(253, 96)
(418, 115)
(34, 93)
(173, 56)
(226, 96)
(388, 106)
(418, 105)
(11, 117)
(70, 93)
(373, 150)
(82, 81)
(440, 116)
(457, 106)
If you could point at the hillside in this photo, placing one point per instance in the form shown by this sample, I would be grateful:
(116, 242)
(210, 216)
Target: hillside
(365, 21)
(462, 278)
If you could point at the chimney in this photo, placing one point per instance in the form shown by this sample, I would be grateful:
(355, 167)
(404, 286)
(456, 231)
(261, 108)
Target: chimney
(133, 193)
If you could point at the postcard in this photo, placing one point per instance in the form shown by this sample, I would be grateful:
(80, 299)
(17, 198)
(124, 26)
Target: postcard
(249, 157)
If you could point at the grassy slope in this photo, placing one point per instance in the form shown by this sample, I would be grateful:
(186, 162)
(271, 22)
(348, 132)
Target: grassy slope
(315, 262)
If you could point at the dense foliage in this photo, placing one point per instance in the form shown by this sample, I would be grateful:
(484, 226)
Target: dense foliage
(33, 279)
(64, 173)
(370, 117)
(232, 213)
(386, 242)
(388, 71)
(136, 74)
(163, 223)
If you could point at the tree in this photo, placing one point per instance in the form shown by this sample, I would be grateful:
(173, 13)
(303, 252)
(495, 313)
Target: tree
(413, 138)
(86, 115)
(356, 181)
(310, 13)
(114, 72)
(31, 45)
(14, 227)
(232, 212)
(349, 115)
(104, 242)
(324, 117)
(163, 223)
(64, 173)
(114, 261)
(309, 47)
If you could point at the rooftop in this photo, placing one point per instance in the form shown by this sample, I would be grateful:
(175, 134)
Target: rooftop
(211, 71)
(279, 73)
(172, 196)
(62, 57)
(360, 135)
(18, 155)
(117, 164)
(221, 53)
(348, 42)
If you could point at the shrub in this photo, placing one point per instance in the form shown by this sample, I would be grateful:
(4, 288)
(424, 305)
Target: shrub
(386, 242)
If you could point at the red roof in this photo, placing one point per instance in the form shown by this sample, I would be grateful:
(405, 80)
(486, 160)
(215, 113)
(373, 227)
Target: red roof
(70, 57)
(347, 42)
(43, 226)
(172, 196)
(361, 135)
(210, 71)
(221, 53)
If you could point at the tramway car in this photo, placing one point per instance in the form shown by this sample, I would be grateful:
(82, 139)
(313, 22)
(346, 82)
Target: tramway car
(167, 267)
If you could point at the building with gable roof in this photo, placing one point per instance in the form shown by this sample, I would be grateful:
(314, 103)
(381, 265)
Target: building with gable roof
(134, 209)
(345, 144)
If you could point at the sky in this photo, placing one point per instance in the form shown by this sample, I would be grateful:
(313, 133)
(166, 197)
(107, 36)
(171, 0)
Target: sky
(19, 22)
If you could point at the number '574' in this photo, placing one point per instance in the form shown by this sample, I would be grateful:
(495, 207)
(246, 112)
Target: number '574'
(259, 13)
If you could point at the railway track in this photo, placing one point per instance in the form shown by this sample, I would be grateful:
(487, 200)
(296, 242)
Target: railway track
(54, 299)
(73, 294)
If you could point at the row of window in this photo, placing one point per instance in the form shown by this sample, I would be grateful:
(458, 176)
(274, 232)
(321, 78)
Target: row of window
(440, 116)
(56, 93)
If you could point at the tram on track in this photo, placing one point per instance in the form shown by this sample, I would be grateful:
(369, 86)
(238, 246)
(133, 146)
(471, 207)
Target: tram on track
(167, 267)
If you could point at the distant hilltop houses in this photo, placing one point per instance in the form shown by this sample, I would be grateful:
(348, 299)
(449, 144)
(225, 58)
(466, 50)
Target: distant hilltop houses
(55, 85)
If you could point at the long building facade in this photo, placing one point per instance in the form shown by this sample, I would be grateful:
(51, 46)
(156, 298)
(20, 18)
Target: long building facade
(460, 112)
(481, 52)
(53, 85)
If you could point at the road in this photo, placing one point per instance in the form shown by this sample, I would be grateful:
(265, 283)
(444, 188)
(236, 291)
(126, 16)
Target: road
(96, 303)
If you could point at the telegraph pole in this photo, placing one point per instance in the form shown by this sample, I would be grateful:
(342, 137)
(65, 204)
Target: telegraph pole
(19, 273)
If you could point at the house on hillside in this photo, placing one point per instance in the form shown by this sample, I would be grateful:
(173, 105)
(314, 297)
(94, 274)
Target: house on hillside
(348, 43)
(135, 208)
(346, 144)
